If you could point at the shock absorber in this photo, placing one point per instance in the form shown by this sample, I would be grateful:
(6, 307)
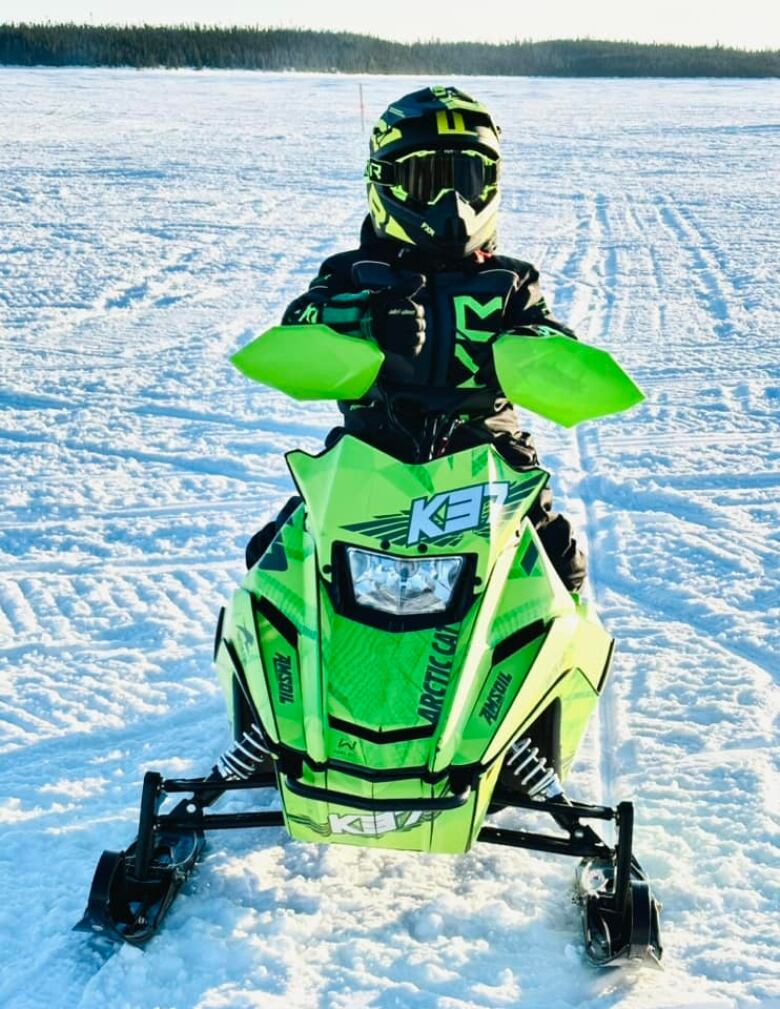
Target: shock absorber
(244, 757)
(536, 778)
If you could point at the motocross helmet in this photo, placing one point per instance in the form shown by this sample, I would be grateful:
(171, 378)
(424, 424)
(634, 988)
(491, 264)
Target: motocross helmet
(432, 173)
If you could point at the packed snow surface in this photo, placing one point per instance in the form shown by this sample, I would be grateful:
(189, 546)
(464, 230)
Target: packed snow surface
(154, 222)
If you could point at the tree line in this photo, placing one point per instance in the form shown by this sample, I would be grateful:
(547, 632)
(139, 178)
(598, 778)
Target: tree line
(196, 46)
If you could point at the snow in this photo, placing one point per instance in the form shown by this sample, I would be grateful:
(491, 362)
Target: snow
(152, 222)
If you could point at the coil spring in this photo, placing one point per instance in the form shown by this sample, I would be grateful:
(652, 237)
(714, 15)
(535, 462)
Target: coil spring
(537, 778)
(243, 757)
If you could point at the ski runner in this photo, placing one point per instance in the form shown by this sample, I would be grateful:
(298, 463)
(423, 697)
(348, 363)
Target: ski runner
(427, 285)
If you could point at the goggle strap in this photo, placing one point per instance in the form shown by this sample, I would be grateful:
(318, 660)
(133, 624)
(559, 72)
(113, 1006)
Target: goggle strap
(383, 173)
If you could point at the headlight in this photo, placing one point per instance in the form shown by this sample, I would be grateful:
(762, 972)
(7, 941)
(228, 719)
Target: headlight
(403, 585)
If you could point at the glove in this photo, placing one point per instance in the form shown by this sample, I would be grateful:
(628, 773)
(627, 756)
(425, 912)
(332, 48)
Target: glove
(396, 322)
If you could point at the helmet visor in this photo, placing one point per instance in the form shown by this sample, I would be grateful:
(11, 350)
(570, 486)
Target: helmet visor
(425, 174)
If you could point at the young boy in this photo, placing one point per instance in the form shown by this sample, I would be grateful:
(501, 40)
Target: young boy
(427, 285)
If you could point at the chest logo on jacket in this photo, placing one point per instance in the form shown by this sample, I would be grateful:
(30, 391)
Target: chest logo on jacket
(470, 342)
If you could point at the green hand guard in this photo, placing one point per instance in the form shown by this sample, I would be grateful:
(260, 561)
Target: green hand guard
(562, 379)
(311, 362)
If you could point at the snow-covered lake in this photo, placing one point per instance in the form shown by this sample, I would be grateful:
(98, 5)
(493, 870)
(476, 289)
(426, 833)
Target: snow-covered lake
(150, 223)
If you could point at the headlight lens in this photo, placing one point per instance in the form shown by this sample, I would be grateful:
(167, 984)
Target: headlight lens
(403, 585)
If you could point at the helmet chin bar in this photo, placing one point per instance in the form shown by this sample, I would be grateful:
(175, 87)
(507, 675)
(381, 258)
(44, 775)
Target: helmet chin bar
(449, 227)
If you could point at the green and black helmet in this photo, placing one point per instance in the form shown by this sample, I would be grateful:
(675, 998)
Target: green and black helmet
(432, 174)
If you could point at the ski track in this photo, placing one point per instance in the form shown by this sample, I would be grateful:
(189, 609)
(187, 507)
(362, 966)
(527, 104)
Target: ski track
(153, 222)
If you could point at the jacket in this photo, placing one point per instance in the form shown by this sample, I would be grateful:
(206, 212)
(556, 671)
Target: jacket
(467, 304)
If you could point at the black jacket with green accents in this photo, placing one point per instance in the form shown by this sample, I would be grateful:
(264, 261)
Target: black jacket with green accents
(467, 304)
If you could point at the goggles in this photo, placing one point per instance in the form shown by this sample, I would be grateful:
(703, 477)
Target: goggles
(425, 174)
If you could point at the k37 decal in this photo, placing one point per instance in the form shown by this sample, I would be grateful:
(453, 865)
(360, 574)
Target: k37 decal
(455, 511)
(446, 516)
(366, 824)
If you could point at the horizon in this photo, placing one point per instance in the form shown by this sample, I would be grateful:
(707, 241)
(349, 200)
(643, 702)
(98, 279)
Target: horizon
(257, 26)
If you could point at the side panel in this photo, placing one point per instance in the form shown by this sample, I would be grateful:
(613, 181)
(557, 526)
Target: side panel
(498, 695)
(279, 618)
(247, 649)
(278, 577)
(538, 687)
(578, 699)
(589, 655)
(281, 660)
(532, 591)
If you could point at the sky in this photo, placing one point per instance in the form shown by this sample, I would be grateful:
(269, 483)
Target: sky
(746, 24)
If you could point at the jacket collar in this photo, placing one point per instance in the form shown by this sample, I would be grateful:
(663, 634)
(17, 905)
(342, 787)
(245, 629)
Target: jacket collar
(412, 258)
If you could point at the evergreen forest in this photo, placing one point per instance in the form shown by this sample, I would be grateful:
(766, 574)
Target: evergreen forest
(196, 46)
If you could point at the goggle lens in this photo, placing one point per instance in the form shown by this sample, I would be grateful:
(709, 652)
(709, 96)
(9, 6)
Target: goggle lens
(424, 176)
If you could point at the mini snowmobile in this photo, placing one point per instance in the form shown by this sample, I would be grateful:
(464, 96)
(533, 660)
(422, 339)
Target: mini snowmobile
(403, 659)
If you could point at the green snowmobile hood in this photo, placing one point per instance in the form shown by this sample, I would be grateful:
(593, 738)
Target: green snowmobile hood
(562, 379)
(381, 713)
(311, 362)
(468, 501)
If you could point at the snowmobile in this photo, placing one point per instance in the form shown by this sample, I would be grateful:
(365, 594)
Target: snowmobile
(403, 659)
